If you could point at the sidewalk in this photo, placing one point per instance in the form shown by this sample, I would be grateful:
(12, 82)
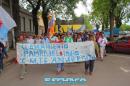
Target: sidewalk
(12, 56)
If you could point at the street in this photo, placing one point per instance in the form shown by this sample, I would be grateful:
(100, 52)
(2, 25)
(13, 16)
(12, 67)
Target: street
(113, 71)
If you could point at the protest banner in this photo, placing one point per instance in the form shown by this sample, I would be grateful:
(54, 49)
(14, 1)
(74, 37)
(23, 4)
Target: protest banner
(51, 53)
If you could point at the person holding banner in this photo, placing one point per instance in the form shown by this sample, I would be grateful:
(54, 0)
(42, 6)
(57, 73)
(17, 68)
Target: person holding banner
(89, 65)
(38, 40)
(30, 40)
(45, 39)
(60, 66)
(56, 39)
(68, 38)
(23, 71)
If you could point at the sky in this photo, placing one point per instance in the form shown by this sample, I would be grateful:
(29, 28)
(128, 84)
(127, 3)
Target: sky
(82, 9)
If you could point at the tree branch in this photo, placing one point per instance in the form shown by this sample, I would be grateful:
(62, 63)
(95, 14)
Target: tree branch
(31, 3)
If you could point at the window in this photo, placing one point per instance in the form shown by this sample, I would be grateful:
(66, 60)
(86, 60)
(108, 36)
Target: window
(123, 39)
(30, 23)
(24, 23)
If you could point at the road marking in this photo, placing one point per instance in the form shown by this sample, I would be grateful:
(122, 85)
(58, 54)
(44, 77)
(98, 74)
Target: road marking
(125, 70)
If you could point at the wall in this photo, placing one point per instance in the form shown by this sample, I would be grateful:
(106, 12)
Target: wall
(26, 21)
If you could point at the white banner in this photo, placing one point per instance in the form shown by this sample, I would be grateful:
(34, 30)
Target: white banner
(51, 53)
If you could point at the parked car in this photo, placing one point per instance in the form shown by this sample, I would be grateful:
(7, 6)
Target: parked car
(120, 45)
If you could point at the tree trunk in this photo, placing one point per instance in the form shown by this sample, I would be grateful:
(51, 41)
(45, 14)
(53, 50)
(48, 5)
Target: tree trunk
(16, 17)
(45, 20)
(111, 25)
(103, 26)
(111, 15)
(45, 11)
(35, 21)
(107, 22)
(34, 14)
(118, 22)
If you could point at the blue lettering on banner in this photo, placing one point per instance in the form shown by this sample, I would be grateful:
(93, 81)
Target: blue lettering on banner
(54, 53)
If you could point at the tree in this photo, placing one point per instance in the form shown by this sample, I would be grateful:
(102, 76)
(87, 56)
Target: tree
(114, 10)
(65, 7)
(34, 6)
(100, 12)
(122, 11)
(125, 27)
(87, 22)
(16, 16)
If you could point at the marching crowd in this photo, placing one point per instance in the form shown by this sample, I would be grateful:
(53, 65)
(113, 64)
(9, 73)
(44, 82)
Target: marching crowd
(98, 38)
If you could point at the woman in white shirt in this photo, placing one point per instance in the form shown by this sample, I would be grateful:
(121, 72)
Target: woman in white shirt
(102, 41)
(38, 40)
(30, 40)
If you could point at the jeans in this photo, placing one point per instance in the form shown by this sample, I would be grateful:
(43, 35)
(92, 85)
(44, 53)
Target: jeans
(60, 67)
(89, 65)
(1, 62)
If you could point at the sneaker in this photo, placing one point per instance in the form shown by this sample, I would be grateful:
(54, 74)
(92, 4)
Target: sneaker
(21, 77)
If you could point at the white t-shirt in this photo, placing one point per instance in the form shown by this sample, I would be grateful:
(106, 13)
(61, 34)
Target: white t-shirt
(102, 41)
(38, 41)
(30, 41)
(79, 40)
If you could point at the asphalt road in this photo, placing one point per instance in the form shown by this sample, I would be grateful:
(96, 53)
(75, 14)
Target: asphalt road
(113, 71)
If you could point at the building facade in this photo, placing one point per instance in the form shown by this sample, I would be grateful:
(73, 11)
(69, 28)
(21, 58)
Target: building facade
(26, 22)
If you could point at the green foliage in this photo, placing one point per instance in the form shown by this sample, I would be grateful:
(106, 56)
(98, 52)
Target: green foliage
(65, 7)
(87, 22)
(125, 27)
(102, 8)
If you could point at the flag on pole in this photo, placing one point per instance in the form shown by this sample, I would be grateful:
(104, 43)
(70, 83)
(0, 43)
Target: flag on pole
(6, 23)
(51, 25)
(6, 19)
